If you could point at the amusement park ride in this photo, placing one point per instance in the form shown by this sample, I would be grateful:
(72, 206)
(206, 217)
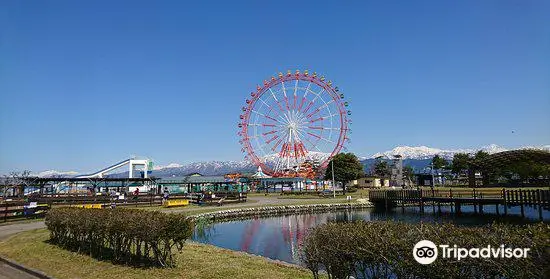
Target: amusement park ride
(147, 166)
(293, 124)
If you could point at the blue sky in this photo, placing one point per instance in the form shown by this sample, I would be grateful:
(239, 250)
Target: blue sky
(88, 83)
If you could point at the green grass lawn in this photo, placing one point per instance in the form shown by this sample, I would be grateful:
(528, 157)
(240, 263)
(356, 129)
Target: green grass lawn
(195, 209)
(197, 261)
(303, 197)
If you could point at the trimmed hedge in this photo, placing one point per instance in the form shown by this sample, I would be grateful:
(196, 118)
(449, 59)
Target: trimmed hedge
(123, 235)
(383, 249)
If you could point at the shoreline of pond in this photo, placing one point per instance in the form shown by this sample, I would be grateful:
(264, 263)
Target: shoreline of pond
(270, 211)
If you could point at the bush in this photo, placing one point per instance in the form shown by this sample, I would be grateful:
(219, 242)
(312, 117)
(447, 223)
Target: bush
(383, 249)
(123, 235)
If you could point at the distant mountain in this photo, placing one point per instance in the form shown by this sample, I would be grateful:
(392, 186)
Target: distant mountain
(52, 173)
(418, 157)
(205, 168)
(222, 167)
(424, 152)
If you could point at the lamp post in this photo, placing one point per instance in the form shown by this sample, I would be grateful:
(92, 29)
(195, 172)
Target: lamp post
(333, 182)
(432, 171)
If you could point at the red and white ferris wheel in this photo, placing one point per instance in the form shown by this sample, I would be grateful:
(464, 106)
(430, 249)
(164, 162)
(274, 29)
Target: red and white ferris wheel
(293, 119)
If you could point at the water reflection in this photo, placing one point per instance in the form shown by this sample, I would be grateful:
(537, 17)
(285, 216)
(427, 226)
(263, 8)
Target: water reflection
(280, 237)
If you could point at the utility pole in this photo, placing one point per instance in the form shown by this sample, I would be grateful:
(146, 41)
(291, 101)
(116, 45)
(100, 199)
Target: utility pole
(333, 182)
(432, 171)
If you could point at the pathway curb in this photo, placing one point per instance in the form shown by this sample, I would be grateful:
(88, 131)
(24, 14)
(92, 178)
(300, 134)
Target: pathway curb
(31, 271)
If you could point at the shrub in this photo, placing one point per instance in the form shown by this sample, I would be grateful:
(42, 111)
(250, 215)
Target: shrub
(383, 249)
(123, 235)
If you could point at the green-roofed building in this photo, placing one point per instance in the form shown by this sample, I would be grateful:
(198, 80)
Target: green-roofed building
(197, 183)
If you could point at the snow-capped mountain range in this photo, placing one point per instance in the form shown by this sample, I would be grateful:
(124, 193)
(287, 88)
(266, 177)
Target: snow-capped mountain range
(51, 173)
(408, 153)
(424, 152)
(222, 167)
(205, 168)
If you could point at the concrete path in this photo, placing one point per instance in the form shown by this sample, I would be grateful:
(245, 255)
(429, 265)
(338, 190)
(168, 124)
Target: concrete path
(7, 230)
(8, 272)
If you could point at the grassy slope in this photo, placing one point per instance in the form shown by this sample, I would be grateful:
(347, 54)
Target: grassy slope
(195, 209)
(197, 261)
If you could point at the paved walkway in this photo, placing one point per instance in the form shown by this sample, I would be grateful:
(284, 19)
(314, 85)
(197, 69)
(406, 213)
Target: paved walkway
(7, 230)
(8, 272)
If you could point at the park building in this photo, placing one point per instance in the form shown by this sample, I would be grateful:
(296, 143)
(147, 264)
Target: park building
(196, 182)
(370, 181)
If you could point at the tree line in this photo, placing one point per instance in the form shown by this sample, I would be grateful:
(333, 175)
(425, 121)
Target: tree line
(347, 167)
(524, 171)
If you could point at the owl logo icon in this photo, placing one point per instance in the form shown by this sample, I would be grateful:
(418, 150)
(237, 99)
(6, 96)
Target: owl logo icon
(425, 252)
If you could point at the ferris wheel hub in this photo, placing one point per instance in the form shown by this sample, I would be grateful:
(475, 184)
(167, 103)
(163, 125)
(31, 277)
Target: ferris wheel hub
(294, 120)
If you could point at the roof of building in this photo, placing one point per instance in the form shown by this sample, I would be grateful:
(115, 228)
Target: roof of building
(260, 174)
(513, 156)
(283, 179)
(196, 179)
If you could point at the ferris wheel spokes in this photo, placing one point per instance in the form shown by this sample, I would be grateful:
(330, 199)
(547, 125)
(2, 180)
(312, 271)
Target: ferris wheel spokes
(277, 101)
(304, 96)
(312, 144)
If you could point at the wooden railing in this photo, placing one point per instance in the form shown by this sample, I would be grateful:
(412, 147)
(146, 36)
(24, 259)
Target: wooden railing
(11, 211)
(527, 197)
(478, 198)
(39, 205)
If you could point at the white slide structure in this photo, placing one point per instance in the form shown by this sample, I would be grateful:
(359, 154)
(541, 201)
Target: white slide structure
(130, 162)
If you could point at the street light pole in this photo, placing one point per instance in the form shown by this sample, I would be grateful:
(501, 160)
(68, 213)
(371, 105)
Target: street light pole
(333, 182)
(432, 171)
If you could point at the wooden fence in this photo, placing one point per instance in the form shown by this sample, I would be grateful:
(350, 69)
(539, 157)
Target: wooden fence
(522, 198)
(11, 211)
(39, 205)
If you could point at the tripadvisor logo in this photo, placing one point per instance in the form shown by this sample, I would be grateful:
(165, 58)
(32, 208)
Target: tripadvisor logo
(426, 252)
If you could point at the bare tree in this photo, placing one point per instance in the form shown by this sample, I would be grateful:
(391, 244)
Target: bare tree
(6, 184)
(16, 181)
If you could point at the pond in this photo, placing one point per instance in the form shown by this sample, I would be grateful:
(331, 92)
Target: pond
(279, 237)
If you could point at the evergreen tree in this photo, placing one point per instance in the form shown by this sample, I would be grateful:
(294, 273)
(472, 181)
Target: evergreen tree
(347, 167)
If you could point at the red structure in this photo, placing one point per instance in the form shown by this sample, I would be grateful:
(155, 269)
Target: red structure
(294, 120)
